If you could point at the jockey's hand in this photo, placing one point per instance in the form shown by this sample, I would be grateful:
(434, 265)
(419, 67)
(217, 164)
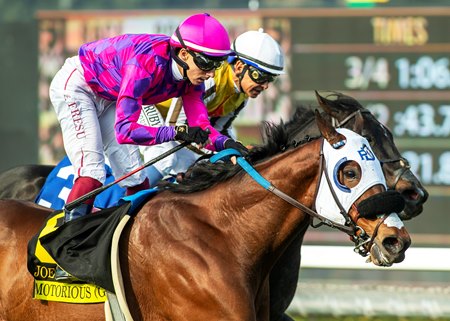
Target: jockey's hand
(231, 143)
(191, 134)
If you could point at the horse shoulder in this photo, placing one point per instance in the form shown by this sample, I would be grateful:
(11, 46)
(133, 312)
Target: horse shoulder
(20, 220)
(173, 244)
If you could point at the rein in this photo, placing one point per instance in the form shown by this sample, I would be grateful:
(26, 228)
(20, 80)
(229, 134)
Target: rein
(351, 229)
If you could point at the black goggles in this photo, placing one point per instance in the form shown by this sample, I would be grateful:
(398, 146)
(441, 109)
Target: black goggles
(259, 76)
(206, 63)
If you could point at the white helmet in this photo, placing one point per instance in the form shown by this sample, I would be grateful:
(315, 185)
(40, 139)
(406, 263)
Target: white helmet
(260, 50)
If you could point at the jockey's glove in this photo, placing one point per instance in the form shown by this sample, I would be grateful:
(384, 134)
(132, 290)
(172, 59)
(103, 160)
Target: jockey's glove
(191, 134)
(231, 143)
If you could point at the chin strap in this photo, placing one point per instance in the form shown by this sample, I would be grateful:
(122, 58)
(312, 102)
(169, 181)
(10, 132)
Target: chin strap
(180, 62)
(241, 76)
(175, 56)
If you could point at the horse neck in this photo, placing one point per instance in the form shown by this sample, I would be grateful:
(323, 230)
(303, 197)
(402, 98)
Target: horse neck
(259, 221)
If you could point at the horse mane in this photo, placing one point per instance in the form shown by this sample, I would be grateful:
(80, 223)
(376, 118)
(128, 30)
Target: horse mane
(303, 115)
(342, 100)
(276, 139)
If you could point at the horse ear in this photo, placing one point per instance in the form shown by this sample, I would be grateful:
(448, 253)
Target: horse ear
(327, 105)
(328, 131)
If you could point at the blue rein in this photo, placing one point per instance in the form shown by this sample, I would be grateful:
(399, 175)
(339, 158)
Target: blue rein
(227, 153)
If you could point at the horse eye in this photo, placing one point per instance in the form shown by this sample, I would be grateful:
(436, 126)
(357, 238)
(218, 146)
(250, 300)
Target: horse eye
(351, 174)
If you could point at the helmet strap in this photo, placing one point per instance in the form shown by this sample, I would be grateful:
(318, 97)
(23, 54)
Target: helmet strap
(177, 59)
(241, 76)
(180, 39)
(180, 62)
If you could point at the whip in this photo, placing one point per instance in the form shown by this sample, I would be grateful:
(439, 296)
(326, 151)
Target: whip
(70, 206)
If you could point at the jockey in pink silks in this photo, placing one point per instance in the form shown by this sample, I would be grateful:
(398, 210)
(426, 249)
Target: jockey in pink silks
(98, 97)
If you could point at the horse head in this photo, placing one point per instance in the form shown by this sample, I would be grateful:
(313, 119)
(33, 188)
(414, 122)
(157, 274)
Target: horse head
(347, 112)
(352, 192)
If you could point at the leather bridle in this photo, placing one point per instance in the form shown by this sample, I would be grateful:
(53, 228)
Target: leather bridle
(357, 234)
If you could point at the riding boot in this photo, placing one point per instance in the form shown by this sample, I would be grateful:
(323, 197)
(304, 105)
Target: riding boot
(134, 189)
(77, 212)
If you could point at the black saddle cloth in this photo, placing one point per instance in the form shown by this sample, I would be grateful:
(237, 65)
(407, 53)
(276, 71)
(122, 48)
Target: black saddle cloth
(82, 247)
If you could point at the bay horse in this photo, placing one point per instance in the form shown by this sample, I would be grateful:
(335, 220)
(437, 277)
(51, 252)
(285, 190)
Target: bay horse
(24, 182)
(204, 249)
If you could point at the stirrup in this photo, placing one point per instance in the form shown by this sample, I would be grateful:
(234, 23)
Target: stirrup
(77, 212)
(63, 276)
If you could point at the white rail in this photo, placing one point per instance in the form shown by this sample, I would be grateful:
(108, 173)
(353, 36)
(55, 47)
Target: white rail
(343, 257)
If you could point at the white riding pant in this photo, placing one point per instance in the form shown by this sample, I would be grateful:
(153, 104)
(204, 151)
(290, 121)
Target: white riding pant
(87, 123)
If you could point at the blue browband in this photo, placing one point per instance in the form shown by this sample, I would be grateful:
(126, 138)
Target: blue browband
(227, 153)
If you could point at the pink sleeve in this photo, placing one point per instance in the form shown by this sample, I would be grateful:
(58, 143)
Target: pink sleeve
(135, 83)
(197, 114)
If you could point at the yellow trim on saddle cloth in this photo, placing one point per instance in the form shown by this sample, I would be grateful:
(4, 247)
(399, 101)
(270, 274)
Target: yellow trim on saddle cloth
(45, 286)
(49, 227)
(68, 292)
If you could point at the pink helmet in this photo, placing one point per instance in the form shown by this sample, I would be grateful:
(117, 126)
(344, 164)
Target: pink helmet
(202, 33)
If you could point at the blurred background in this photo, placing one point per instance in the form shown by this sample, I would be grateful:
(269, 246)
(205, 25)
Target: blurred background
(391, 55)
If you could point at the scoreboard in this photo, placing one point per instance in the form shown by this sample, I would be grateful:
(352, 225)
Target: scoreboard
(396, 62)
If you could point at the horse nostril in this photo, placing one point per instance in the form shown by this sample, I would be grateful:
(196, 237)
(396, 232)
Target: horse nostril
(393, 245)
(411, 195)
